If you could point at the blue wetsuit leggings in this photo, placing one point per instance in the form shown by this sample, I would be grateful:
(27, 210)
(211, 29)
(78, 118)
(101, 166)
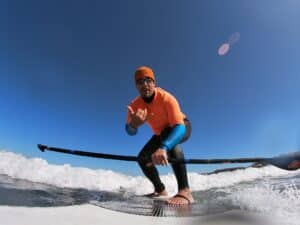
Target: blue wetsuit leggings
(179, 169)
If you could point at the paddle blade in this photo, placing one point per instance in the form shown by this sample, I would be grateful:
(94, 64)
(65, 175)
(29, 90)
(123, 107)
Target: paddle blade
(42, 147)
(287, 162)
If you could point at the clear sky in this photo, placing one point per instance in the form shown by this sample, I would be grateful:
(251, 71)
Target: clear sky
(66, 70)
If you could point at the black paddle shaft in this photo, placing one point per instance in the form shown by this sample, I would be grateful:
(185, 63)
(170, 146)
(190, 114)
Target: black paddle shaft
(289, 161)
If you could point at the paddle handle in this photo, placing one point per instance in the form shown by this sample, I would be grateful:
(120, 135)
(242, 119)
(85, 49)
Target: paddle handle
(136, 159)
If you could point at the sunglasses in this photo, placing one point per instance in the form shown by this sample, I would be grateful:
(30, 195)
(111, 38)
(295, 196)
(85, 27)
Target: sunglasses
(143, 80)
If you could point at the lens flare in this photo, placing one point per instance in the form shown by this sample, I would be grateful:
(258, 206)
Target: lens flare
(223, 49)
(235, 37)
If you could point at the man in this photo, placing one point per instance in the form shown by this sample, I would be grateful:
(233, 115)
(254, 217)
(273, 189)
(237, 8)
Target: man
(161, 111)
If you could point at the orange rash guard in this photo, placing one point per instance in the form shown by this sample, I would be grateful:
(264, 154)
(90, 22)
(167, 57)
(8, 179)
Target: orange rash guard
(164, 110)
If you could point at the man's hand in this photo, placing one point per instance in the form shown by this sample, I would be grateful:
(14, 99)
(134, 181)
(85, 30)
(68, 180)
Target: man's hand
(138, 118)
(160, 157)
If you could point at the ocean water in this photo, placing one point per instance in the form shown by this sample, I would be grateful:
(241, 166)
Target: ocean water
(266, 191)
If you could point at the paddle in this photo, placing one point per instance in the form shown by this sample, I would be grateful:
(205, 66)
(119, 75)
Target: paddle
(289, 161)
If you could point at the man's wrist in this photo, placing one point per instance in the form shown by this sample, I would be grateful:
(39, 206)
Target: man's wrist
(132, 125)
(131, 130)
(164, 147)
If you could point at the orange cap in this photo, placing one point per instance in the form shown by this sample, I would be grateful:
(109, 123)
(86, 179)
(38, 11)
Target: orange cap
(144, 71)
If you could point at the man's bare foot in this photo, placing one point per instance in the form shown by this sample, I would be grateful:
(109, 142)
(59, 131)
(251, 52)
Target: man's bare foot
(183, 197)
(155, 194)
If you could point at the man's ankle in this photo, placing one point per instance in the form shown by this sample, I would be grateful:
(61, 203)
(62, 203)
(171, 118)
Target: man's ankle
(185, 190)
(164, 192)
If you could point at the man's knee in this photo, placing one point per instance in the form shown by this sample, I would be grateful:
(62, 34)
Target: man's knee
(144, 157)
(176, 152)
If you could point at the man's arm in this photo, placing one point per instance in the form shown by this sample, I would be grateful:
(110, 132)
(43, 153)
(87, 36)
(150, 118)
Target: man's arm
(174, 137)
(176, 122)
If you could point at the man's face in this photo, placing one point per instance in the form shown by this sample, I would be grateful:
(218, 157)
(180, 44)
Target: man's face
(145, 86)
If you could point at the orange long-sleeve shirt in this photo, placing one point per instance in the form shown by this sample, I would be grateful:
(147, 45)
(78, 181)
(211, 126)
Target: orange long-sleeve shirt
(164, 110)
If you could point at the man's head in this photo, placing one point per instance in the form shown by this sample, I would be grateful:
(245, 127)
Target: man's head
(145, 81)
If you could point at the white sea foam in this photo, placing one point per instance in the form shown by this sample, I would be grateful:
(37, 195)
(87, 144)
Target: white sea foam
(280, 204)
(39, 170)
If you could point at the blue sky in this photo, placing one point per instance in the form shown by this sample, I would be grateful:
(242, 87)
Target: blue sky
(66, 70)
